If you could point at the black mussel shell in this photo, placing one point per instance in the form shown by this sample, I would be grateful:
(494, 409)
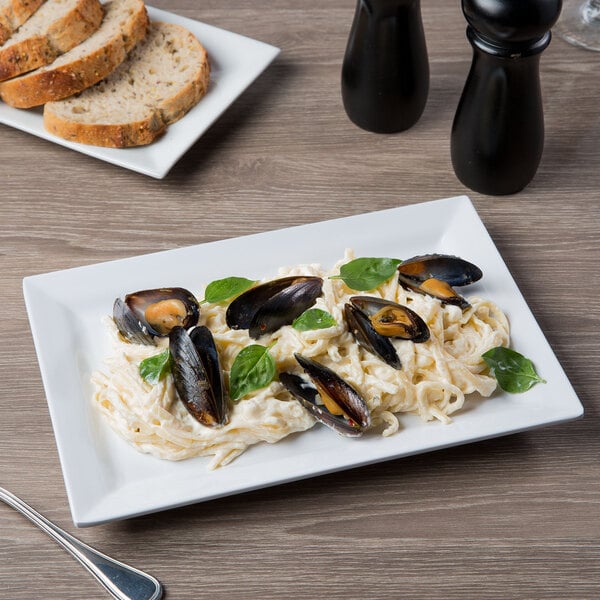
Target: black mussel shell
(361, 328)
(129, 326)
(451, 269)
(241, 311)
(354, 415)
(164, 308)
(282, 308)
(197, 375)
(307, 395)
(267, 307)
(207, 350)
(391, 319)
(337, 389)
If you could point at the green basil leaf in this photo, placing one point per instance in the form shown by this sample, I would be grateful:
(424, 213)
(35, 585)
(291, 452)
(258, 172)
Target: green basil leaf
(156, 367)
(363, 274)
(223, 289)
(514, 372)
(313, 318)
(253, 368)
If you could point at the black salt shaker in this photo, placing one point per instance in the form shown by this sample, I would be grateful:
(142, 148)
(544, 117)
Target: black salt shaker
(498, 131)
(385, 73)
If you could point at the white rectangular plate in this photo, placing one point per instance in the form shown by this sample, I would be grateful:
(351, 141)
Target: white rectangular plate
(106, 479)
(236, 61)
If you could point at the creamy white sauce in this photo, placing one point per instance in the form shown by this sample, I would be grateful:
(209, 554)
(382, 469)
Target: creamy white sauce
(432, 383)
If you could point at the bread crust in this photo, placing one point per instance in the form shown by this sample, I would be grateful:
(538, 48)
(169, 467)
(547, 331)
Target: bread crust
(120, 135)
(51, 84)
(139, 132)
(64, 33)
(13, 14)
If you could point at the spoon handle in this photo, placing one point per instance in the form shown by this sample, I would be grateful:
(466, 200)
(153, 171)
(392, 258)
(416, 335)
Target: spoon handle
(120, 580)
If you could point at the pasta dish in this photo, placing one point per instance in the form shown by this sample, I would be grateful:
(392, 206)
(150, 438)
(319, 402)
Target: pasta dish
(432, 383)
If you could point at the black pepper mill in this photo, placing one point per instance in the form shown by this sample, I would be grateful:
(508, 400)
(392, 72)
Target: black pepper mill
(385, 73)
(498, 132)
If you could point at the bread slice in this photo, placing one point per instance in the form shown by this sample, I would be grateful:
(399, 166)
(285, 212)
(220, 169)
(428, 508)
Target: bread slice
(55, 27)
(124, 25)
(13, 13)
(164, 76)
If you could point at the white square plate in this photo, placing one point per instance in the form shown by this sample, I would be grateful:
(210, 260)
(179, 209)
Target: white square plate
(236, 61)
(107, 479)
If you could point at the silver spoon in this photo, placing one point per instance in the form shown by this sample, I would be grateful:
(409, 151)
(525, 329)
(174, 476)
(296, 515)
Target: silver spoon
(120, 580)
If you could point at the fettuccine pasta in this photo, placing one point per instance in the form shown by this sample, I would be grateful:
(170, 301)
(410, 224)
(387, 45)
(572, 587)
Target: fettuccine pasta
(434, 379)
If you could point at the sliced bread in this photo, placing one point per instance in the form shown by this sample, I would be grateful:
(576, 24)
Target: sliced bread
(13, 13)
(125, 23)
(55, 27)
(163, 77)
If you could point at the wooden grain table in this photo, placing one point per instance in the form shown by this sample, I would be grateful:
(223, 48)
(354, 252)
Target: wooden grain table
(514, 517)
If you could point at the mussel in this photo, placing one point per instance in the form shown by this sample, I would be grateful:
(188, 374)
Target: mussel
(451, 269)
(373, 321)
(435, 274)
(149, 313)
(391, 319)
(269, 306)
(197, 374)
(366, 336)
(328, 397)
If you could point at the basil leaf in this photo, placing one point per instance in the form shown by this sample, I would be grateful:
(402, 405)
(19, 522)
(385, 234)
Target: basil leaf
(156, 367)
(253, 368)
(313, 318)
(365, 274)
(223, 289)
(514, 372)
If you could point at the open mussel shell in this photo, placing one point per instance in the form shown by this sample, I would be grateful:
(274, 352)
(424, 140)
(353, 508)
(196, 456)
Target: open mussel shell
(451, 269)
(267, 307)
(435, 274)
(391, 319)
(436, 288)
(155, 312)
(129, 325)
(164, 308)
(365, 335)
(197, 374)
(328, 397)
